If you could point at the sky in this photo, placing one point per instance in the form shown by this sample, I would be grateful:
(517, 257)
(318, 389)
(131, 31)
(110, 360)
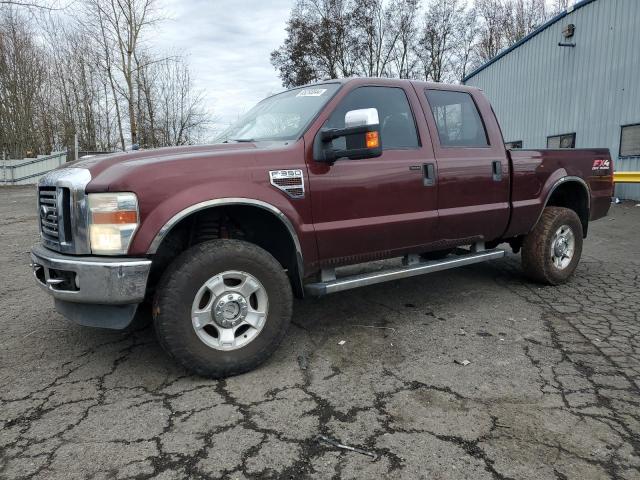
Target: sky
(228, 45)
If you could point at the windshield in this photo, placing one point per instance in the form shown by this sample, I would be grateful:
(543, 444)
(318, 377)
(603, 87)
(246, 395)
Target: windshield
(281, 117)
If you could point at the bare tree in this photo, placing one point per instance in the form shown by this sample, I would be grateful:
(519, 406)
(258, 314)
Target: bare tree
(146, 79)
(91, 75)
(180, 117)
(403, 24)
(559, 6)
(466, 54)
(106, 45)
(295, 60)
(375, 39)
(522, 17)
(125, 22)
(22, 76)
(171, 111)
(333, 38)
(441, 34)
(79, 100)
(491, 36)
(319, 44)
(34, 5)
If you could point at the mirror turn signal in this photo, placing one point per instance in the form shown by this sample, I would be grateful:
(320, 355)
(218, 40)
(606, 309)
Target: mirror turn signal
(372, 139)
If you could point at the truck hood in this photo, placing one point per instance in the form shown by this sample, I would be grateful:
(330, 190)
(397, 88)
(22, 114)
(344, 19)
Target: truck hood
(124, 171)
(140, 158)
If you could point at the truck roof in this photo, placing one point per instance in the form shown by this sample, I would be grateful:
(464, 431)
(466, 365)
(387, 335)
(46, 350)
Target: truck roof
(391, 82)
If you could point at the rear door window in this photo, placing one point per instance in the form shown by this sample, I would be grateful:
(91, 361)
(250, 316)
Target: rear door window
(457, 119)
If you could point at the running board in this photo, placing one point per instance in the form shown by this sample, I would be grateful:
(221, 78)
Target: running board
(414, 269)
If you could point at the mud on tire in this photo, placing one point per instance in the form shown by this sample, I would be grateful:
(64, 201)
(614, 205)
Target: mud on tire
(185, 278)
(537, 248)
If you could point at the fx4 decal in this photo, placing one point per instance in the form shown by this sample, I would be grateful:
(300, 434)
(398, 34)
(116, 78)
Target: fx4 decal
(601, 164)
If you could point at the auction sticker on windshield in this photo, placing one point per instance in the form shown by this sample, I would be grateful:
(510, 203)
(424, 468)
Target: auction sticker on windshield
(311, 92)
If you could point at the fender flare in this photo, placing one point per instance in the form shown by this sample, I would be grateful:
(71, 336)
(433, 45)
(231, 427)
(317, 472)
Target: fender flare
(218, 202)
(562, 181)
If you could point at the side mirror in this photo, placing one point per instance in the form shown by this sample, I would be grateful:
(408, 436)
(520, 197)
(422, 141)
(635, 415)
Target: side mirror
(364, 116)
(361, 134)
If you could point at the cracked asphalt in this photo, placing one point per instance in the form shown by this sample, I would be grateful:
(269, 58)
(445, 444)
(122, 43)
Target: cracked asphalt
(552, 390)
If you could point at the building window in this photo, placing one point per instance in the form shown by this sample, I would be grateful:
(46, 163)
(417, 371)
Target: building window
(457, 119)
(513, 145)
(630, 141)
(566, 140)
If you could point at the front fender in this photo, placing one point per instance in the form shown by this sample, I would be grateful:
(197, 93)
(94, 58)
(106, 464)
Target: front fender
(159, 221)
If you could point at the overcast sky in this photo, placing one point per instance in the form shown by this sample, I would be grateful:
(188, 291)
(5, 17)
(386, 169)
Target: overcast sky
(228, 43)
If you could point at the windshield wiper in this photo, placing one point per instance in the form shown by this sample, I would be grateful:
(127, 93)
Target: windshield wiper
(243, 140)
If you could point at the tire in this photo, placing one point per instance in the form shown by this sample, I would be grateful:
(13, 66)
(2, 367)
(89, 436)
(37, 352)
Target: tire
(540, 261)
(190, 277)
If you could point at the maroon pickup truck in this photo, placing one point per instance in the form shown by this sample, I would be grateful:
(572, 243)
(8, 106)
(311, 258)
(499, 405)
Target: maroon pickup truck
(214, 241)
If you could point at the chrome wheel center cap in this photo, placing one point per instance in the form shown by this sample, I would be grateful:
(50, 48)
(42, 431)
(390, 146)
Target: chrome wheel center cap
(230, 310)
(561, 246)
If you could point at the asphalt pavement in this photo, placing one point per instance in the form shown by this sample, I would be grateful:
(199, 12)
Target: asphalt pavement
(472, 373)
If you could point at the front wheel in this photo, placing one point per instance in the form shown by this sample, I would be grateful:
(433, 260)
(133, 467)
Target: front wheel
(551, 251)
(222, 307)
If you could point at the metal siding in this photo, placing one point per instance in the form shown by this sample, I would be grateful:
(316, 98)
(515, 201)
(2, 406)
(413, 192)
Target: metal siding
(30, 170)
(540, 89)
(628, 190)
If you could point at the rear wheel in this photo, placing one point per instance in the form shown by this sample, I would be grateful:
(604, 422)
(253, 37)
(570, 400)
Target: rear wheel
(552, 250)
(223, 307)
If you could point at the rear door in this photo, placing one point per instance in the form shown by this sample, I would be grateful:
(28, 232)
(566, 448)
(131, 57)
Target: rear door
(473, 169)
(372, 208)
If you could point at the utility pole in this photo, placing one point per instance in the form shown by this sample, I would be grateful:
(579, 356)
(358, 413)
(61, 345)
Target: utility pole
(75, 147)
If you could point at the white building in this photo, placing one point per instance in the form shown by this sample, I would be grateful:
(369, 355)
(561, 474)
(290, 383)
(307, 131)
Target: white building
(573, 83)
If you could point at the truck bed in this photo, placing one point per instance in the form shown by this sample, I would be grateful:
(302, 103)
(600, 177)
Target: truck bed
(536, 172)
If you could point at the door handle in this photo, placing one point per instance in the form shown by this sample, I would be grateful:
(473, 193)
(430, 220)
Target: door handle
(429, 170)
(496, 168)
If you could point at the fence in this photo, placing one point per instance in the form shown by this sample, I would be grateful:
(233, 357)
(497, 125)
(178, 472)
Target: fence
(29, 170)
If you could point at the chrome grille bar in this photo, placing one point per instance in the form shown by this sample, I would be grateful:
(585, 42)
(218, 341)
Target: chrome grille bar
(48, 211)
(50, 232)
(62, 210)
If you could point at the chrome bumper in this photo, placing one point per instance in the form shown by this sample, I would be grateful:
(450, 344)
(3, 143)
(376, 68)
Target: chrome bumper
(99, 280)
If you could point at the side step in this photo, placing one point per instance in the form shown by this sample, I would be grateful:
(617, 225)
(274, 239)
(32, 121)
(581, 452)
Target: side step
(413, 269)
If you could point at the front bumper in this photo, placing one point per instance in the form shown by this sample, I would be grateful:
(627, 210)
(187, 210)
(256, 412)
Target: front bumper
(92, 291)
(103, 280)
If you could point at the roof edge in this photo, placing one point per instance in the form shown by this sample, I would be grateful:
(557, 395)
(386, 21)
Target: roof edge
(528, 37)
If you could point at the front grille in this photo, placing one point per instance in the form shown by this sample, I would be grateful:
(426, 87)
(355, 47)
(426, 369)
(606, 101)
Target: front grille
(48, 211)
(55, 224)
(62, 210)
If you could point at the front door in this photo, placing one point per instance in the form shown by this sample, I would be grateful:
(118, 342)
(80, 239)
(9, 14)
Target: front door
(379, 207)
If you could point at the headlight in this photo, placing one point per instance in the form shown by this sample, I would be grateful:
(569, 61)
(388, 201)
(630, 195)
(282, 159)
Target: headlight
(113, 219)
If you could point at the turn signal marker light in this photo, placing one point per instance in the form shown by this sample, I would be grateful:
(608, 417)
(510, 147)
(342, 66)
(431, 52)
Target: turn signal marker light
(117, 217)
(372, 139)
